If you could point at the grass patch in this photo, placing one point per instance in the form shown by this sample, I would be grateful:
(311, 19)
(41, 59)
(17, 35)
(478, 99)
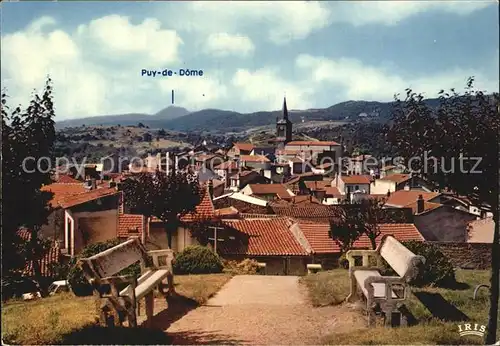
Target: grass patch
(327, 288)
(65, 318)
(437, 310)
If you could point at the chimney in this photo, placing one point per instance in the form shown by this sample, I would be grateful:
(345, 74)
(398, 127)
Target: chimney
(94, 184)
(420, 204)
(388, 193)
(407, 187)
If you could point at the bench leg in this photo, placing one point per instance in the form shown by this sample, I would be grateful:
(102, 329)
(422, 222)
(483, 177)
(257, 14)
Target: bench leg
(149, 308)
(354, 286)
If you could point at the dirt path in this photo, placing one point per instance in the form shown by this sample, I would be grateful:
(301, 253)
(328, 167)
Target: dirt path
(254, 309)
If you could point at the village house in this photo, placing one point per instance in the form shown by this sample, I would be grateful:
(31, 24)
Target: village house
(399, 181)
(267, 191)
(256, 162)
(317, 150)
(82, 214)
(347, 184)
(239, 180)
(362, 164)
(240, 149)
(435, 221)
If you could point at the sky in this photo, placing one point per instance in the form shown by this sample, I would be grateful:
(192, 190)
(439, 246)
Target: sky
(252, 54)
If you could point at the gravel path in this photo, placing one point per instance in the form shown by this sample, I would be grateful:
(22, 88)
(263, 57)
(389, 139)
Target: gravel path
(265, 310)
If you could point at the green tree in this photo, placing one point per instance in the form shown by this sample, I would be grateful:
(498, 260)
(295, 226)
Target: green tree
(28, 138)
(165, 196)
(456, 147)
(346, 227)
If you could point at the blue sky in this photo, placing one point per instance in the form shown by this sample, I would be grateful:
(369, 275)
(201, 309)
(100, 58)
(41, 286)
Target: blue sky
(252, 53)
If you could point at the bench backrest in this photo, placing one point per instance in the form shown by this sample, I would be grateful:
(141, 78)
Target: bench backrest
(404, 262)
(113, 260)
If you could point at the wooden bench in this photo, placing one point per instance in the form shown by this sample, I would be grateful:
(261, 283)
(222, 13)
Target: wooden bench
(314, 268)
(388, 293)
(101, 269)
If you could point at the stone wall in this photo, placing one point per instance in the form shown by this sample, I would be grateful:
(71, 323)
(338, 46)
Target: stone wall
(467, 255)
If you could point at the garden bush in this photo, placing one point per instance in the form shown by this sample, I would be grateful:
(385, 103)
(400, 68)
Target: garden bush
(437, 271)
(197, 259)
(246, 267)
(79, 285)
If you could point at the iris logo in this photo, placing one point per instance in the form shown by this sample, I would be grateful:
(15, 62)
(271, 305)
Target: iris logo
(468, 329)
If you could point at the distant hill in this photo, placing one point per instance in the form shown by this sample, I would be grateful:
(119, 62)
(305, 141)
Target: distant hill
(168, 113)
(180, 119)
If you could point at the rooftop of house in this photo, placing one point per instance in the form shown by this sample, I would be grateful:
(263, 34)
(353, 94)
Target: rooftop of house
(262, 237)
(356, 179)
(254, 158)
(266, 189)
(403, 198)
(67, 195)
(332, 191)
(244, 146)
(317, 185)
(318, 236)
(396, 178)
(305, 211)
(428, 206)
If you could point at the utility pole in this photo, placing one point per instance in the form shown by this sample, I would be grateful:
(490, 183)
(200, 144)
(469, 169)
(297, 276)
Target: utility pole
(215, 239)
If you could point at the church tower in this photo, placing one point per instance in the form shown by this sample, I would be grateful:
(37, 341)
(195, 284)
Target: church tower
(283, 126)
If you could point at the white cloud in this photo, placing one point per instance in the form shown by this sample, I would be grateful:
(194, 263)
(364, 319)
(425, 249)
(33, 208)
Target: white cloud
(363, 82)
(116, 35)
(392, 12)
(283, 20)
(265, 88)
(224, 44)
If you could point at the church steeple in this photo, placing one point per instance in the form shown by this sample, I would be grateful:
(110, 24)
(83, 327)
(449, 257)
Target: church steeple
(284, 126)
(285, 110)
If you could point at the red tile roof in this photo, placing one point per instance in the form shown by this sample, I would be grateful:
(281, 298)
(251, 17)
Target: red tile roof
(67, 195)
(402, 198)
(52, 256)
(333, 191)
(317, 234)
(244, 146)
(316, 185)
(397, 178)
(266, 189)
(262, 237)
(356, 179)
(66, 179)
(88, 196)
(254, 158)
(130, 225)
(428, 206)
(316, 212)
(318, 143)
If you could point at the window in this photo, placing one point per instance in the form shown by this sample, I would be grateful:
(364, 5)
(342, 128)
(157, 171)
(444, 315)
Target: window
(356, 187)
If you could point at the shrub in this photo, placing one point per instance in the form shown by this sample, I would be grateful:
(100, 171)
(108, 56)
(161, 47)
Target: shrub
(246, 267)
(77, 281)
(437, 271)
(197, 259)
